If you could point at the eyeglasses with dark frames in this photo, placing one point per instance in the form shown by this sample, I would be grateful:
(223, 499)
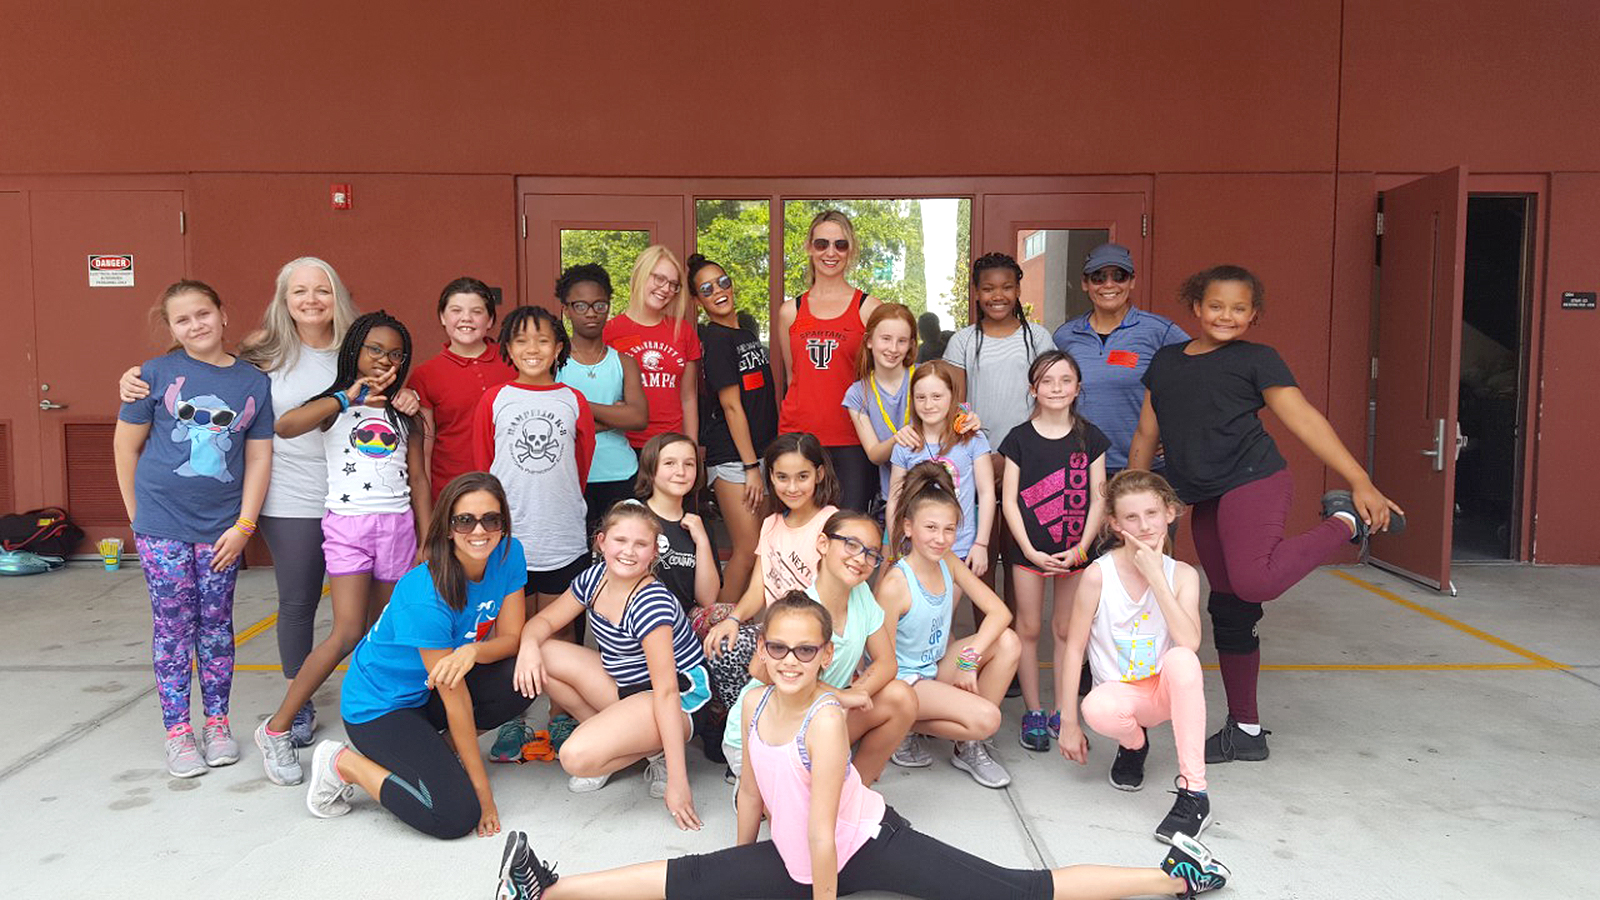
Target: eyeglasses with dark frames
(373, 351)
(855, 547)
(584, 307)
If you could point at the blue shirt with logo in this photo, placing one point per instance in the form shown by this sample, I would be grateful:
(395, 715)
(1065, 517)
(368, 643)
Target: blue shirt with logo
(1113, 392)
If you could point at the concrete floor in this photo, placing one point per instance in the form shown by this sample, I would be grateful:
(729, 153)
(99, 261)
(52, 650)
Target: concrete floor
(1423, 746)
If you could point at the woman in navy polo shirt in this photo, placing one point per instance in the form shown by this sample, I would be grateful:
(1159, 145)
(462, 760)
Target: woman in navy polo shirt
(440, 658)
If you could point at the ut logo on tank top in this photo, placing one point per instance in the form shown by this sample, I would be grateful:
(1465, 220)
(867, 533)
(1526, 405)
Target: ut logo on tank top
(820, 351)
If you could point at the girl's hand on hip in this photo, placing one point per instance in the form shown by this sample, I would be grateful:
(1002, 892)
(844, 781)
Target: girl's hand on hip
(225, 552)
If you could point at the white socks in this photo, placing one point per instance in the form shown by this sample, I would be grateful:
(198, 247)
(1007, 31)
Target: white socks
(1255, 729)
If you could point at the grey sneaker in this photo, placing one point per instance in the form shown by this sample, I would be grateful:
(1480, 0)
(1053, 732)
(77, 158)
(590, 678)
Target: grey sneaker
(655, 775)
(579, 784)
(279, 757)
(220, 749)
(911, 753)
(304, 725)
(183, 754)
(329, 794)
(973, 758)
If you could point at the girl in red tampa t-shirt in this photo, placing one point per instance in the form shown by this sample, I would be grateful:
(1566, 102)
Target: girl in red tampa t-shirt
(657, 331)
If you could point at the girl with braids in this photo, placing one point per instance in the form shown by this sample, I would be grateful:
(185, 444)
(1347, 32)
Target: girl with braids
(831, 834)
(450, 384)
(960, 684)
(378, 501)
(820, 334)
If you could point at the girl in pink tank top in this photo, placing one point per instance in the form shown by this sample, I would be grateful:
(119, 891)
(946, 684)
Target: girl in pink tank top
(797, 746)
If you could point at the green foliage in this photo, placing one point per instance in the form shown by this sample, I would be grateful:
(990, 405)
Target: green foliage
(614, 251)
(733, 234)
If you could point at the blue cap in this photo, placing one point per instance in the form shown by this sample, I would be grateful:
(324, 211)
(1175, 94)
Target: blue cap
(1108, 255)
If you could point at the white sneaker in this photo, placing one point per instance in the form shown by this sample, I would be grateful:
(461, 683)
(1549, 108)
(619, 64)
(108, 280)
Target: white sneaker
(329, 794)
(220, 748)
(655, 775)
(183, 754)
(581, 785)
(911, 753)
(278, 756)
(973, 758)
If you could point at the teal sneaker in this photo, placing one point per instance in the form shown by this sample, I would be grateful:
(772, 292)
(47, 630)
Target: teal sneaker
(509, 741)
(561, 728)
(1035, 731)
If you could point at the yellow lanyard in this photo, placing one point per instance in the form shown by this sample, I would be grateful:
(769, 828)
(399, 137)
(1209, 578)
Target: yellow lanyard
(872, 378)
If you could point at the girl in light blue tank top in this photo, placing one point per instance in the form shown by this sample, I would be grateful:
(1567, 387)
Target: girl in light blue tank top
(924, 631)
(601, 383)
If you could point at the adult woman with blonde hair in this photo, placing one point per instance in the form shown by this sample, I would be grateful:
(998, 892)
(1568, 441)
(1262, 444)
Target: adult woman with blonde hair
(825, 327)
(657, 331)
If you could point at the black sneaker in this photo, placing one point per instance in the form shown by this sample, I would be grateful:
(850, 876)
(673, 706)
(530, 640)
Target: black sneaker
(1341, 501)
(1232, 743)
(1127, 772)
(1085, 681)
(1190, 814)
(522, 875)
(1189, 859)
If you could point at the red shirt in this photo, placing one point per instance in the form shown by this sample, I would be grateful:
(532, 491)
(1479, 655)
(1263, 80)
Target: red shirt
(823, 353)
(662, 351)
(450, 385)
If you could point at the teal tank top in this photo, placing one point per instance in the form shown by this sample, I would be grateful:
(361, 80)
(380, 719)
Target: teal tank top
(602, 383)
(924, 631)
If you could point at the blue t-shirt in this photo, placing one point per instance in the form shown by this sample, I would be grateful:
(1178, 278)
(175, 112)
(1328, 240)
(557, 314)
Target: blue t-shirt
(892, 417)
(386, 671)
(960, 461)
(191, 470)
(621, 643)
(1113, 369)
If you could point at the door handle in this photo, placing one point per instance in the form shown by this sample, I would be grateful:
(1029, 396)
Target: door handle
(1437, 453)
(46, 404)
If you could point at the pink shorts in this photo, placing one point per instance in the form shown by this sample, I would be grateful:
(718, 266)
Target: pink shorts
(383, 545)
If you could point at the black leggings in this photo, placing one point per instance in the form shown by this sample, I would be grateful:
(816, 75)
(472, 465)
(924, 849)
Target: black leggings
(298, 567)
(427, 787)
(900, 860)
(858, 476)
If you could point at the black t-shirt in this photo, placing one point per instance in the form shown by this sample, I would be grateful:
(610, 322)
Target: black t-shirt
(675, 561)
(735, 356)
(1053, 487)
(1206, 408)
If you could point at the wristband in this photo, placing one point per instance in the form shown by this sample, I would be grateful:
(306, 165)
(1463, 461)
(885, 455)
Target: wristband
(968, 660)
(344, 402)
(736, 619)
(751, 466)
(246, 527)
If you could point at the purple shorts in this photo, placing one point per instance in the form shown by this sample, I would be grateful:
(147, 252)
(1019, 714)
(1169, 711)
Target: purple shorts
(383, 545)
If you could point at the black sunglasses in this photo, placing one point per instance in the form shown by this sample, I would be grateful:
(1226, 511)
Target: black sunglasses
(188, 412)
(855, 547)
(708, 287)
(1115, 273)
(803, 652)
(465, 523)
(820, 244)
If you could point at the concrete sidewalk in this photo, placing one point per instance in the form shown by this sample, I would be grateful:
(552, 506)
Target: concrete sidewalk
(1422, 746)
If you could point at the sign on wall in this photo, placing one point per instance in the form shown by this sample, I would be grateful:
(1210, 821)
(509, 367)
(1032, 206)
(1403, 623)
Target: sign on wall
(111, 270)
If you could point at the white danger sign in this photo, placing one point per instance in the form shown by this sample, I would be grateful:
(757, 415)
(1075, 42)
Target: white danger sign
(111, 270)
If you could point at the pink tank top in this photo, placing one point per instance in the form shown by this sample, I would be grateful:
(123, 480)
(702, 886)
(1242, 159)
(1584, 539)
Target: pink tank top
(783, 773)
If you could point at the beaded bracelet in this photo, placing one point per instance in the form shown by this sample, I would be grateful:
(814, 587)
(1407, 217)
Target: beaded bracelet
(247, 527)
(968, 660)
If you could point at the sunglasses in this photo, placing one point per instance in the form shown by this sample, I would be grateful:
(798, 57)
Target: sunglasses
(583, 307)
(820, 244)
(376, 352)
(803, 652)
(708, 287)
(1115, 273)
(188, 412)
(465, 523)
(854, 547)
(368, 435)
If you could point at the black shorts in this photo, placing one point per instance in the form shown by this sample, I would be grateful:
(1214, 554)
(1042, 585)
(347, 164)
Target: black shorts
(556, 581)
(598, 498)
(690, 696)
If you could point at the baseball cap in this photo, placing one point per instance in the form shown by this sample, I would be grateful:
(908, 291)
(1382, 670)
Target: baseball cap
(1108, 255)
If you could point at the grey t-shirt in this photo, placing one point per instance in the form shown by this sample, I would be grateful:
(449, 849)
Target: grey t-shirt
(997, 382)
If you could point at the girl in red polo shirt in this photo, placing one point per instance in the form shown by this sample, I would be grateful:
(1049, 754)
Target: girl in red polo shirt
(657, 331)
(450, 384)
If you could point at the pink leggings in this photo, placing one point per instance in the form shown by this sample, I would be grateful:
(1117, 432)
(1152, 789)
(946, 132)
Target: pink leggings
(1119, 709)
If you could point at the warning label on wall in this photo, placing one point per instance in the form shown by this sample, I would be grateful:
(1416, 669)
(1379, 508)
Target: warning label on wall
(111, 270)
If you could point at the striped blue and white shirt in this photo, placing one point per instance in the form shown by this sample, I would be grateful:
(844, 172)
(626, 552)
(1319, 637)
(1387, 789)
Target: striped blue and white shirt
(621, 643)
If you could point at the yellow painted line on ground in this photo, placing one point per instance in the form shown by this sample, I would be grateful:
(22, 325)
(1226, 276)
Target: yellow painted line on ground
(1380, 667)
(1539, 661)
(269, 667)
(245, 635)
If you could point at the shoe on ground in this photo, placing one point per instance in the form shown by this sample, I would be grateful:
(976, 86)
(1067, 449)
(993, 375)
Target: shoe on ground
(1233, 743)
(183, 754)
(278, 756)
(728, 777)
(912, 754)
(508, 741)
(304, 725)
(973, 758)
(220, 748)
(1014, 689)
(1191, 814)
(1127, 771)
(581, 785)
(561, 728)
(655, 775)
(1053, 725)
(1189, 859)
(328, 794)
(1035, 734)
(522, 875)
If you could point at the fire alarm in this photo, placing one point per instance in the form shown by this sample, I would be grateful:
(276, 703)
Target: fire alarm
(341, 196)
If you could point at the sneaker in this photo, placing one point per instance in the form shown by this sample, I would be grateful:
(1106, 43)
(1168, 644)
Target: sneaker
(1035, 731)
(522, 875)
(1189, 859)
(329, 794)
(561, 728)
(278, 756)
(1014, 689)
(304, 725)
(580, 785)
(183, 754)
(1053, 725)
(728, 777)
(1085, 681)
(912, 754)
(973, 758)
(1127, 771)
(1190, 814)
(1342, 502)
(508, 742)
(220, 749)
(1232, 743)
(655, 775)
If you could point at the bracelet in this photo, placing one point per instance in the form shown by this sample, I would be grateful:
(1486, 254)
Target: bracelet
(247, 527)
(344, 402)
(739, 621)
(751, 466)
(968, 660)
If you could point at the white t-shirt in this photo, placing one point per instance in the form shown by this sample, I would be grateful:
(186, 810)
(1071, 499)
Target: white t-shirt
(299, 485)
(997, 381)
(367, 465)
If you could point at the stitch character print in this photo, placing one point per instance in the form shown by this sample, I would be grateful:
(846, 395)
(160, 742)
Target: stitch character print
(208, 424)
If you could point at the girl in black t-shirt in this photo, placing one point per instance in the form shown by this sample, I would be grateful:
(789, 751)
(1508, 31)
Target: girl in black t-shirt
(1201, 401)
(669, 470)
(1054, 505)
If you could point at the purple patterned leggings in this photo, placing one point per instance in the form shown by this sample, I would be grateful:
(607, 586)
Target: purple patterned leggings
(192, 607)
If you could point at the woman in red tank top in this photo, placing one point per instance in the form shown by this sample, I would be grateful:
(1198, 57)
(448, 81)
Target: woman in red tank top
(825, 326)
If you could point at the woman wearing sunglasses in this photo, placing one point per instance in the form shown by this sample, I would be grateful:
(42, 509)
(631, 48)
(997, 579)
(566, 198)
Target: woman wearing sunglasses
(825, 327)
(439, 659)
(657, 331)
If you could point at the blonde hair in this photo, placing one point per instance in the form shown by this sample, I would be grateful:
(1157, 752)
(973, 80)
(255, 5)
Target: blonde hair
(883, 313)
(1138, 481)
(639, 282)
(843, 221)
(630, 509)
(277, 344)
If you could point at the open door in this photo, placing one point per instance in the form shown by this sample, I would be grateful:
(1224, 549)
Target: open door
(1419, 370)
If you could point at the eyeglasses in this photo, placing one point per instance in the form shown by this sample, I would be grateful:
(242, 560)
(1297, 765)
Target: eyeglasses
(464, 523)
(803, 652)
(659, 280)
(854, 547)
(188, 412)
(821, 244)
(584, 307)
(707, 287)
(375, 352)
(1115, 273)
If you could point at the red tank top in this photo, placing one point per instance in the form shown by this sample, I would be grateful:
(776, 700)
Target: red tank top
(823, 352)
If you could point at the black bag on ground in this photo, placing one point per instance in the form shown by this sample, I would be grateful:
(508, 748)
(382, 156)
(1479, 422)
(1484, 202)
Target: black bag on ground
(47, 532)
